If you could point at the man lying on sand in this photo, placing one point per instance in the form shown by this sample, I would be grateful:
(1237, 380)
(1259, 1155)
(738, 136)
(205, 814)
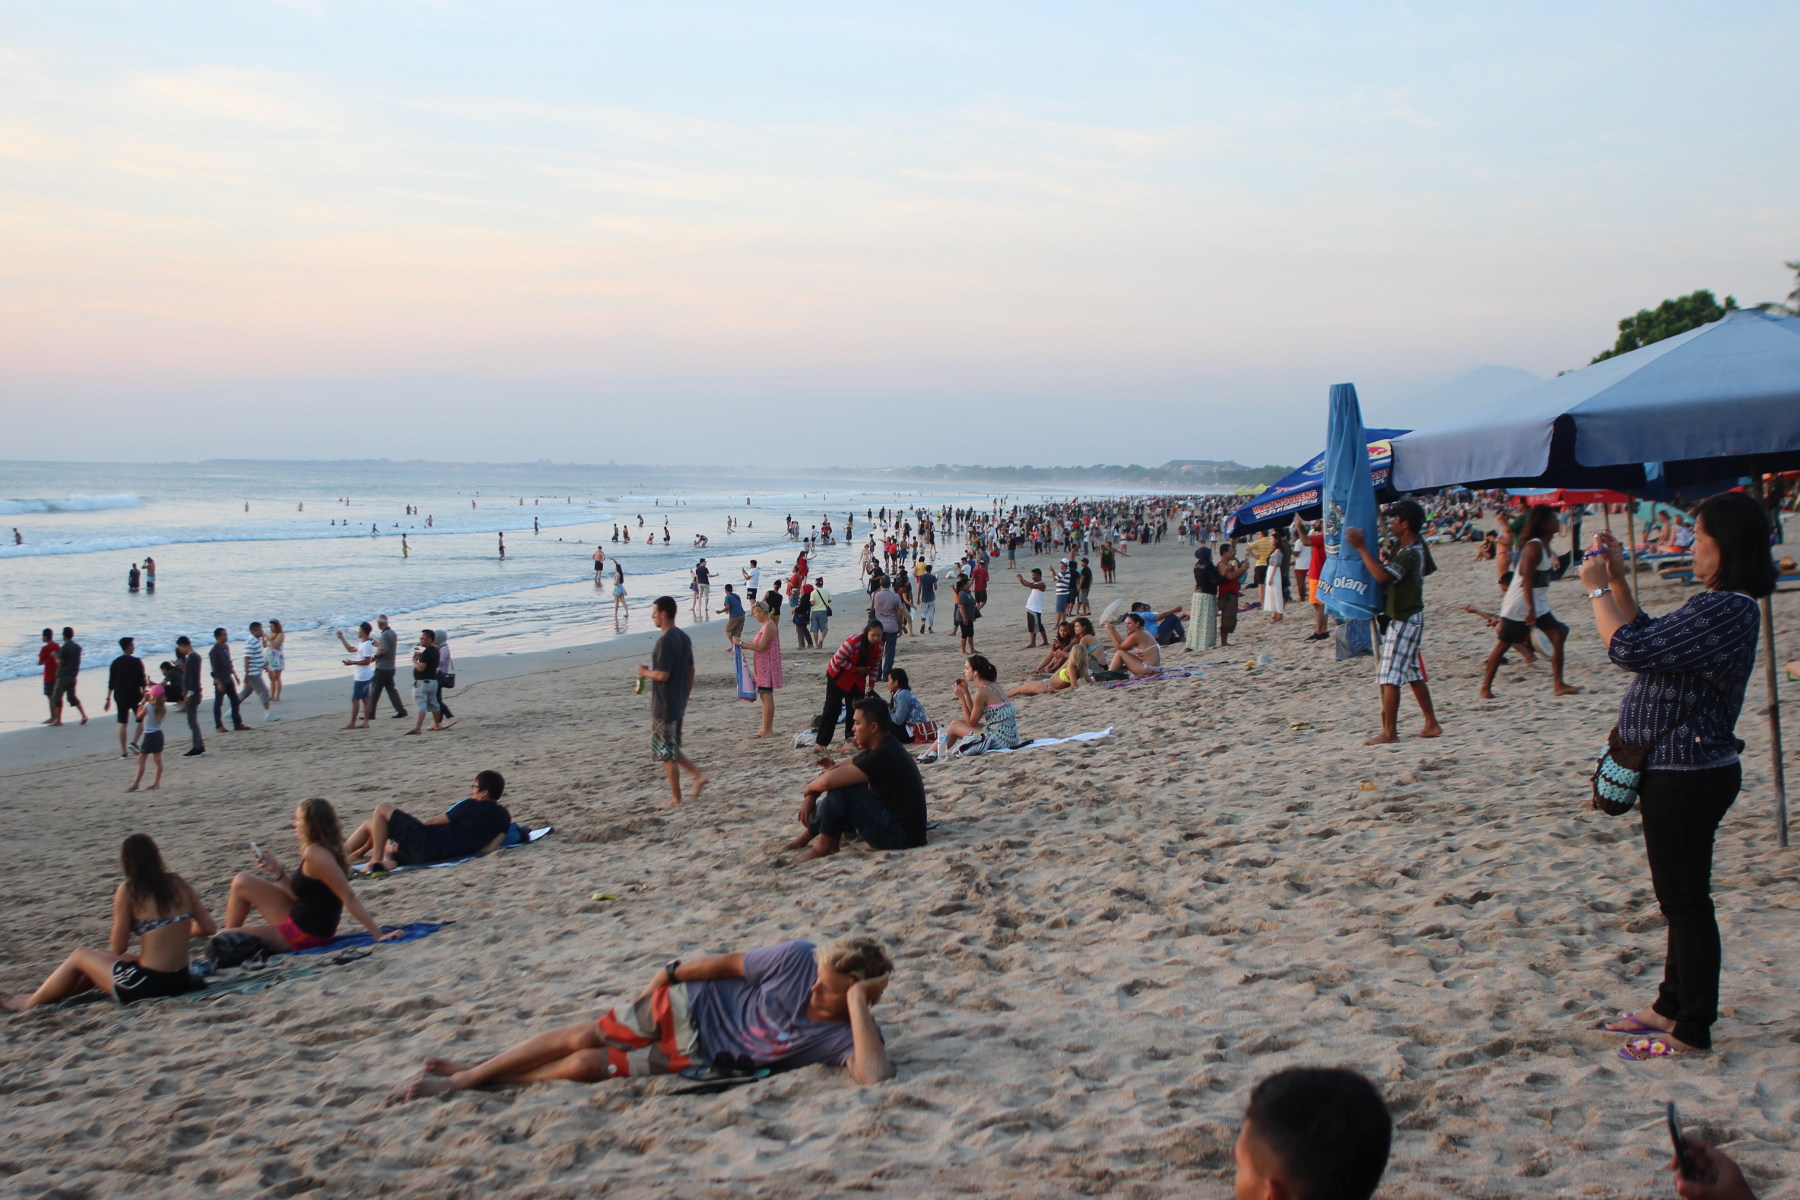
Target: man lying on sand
(784, 1006)
(394, 837)
(876, 794)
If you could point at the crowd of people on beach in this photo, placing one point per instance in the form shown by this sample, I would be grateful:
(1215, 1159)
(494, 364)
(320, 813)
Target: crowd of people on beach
(1306, 1133)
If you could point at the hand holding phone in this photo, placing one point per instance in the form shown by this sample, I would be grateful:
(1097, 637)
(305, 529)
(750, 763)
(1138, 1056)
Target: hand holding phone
(1684, 1156)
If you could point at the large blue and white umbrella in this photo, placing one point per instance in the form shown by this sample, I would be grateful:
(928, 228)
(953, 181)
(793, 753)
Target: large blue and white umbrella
(1703, 407)
(1298, 493)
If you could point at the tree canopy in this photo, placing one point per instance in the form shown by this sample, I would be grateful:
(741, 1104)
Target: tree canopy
(1792, 307)
(1666, 320)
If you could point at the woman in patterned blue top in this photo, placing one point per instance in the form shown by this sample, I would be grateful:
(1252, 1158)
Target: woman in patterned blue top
(1690, 669)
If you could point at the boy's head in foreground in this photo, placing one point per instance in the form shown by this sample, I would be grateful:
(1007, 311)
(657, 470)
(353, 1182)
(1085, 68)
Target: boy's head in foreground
(1312, 1133)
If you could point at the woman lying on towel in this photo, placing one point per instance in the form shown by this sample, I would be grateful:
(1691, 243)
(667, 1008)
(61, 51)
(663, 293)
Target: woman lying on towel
(302, 909)
(784, 1006)
(1073, 673)
(161, 910)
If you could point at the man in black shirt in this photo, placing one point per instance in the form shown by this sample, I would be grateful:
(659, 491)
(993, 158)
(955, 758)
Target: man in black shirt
(189, 659)
(392, 836)
(125, 684)
(877, 794)
(425, 659)
(224, 673)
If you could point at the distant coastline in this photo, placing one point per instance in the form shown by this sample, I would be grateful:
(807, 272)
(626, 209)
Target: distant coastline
(1176, 474)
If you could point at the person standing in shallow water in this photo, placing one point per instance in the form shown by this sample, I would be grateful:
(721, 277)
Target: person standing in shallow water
(1689, 672)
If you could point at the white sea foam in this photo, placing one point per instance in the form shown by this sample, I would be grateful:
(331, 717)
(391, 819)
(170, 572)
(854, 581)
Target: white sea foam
(66, 504)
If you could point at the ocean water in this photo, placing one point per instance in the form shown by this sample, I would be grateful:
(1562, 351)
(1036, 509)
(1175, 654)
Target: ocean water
(319, 548)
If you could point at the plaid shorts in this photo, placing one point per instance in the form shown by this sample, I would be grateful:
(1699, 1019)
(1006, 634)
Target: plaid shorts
(1400, 661)
(665, 739)
(654, 1036)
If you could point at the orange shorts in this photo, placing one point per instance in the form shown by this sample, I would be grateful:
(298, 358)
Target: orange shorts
(655, 1036)
(1312, 590)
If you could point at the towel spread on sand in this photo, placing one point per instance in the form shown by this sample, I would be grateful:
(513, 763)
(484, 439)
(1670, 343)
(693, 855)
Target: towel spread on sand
(1154, 677)
(535, 835)
(412, 931)
(239, 983)
(1034, 743)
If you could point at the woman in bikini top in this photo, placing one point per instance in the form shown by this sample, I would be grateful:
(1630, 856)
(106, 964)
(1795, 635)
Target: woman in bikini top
(156, 906)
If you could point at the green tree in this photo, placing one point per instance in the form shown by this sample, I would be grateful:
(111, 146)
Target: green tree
(1666, 320)
(1792, 307)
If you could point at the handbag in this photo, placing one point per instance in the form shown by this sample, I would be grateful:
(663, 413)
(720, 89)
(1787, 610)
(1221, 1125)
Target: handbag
(1620, 770)
(446, 680)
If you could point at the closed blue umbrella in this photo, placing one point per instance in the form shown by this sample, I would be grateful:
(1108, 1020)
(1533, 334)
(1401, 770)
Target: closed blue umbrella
(1346, 588)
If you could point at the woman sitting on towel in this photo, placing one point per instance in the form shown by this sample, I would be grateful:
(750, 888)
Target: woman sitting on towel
(157, 906)
(1137, 652)
(1071, 674)
(780, 1007)
(986, 708)
(302, 909)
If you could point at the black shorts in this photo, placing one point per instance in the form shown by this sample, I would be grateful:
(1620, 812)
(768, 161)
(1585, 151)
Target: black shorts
(965, 629)
(981, 596)
(127, 708)
(1034, 622)
(1515, 632)
(132, 982)
(152, 742)
(417, 842)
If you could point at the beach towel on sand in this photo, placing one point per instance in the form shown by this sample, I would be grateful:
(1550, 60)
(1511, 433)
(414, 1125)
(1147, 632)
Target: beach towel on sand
(1034, 743)
(412, 931)
(1154, 677)
(527, 839)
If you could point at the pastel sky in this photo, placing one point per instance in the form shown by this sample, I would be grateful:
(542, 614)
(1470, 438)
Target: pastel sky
(848, 234)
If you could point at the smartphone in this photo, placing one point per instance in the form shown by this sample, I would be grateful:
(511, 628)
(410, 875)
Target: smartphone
(1684, 1158)
(256, 851)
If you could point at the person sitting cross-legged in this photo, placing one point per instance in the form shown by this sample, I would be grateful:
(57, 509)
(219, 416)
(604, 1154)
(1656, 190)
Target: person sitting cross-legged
(469, 828)
(877, 794)
(780, 1007)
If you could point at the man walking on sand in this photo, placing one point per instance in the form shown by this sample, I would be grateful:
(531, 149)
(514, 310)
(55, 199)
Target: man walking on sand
(387, 645)
(224, 674)
(671, 675)
(68, 669)
(189, 658)
(254, 662)
(125, 686)
(1400, 646)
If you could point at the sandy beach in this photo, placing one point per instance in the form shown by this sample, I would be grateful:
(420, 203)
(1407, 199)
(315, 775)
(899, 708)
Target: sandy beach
(1103, 948)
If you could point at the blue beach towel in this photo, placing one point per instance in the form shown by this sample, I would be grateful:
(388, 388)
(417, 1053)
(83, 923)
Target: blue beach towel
(412, 931)
(522, 838)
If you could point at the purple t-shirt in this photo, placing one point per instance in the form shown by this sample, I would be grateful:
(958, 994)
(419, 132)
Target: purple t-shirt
(762, 1017)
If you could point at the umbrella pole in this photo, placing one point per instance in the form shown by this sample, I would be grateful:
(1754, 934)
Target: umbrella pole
(1778, 778)
(1631, 540)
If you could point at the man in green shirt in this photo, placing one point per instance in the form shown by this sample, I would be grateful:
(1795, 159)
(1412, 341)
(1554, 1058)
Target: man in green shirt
(1400, 646)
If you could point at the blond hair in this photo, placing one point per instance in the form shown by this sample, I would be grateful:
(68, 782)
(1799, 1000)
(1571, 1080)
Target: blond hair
(858, 957)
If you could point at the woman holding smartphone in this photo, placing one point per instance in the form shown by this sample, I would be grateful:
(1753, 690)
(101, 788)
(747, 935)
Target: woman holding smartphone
(302, 909)
(154, 905)
(1689, 670)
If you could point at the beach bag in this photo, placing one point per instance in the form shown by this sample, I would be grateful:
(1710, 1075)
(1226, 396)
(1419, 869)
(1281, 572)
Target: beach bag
(919, 733)
(234, 948)
(446, 680)
(1620, 770)
(972, 745)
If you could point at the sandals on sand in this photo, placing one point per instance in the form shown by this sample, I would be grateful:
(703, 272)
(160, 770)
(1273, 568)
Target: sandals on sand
(1627, 1022)
(1648, 1050)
